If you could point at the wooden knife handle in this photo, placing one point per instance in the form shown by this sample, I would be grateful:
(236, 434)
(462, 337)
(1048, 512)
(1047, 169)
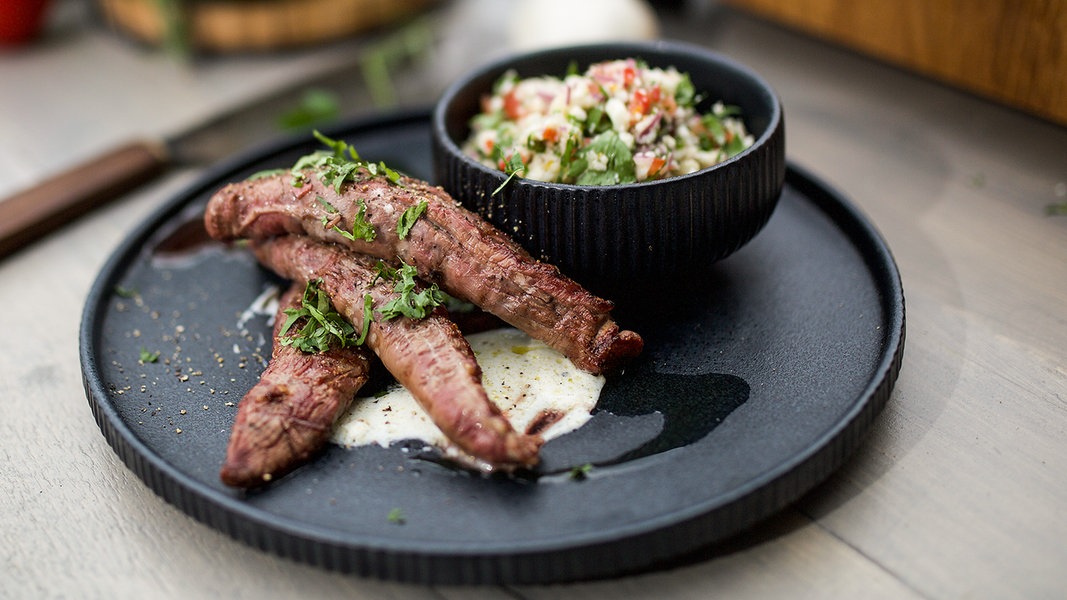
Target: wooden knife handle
(42, 209)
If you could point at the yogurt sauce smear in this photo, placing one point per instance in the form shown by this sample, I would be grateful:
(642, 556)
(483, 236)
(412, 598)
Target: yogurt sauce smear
(535, 386)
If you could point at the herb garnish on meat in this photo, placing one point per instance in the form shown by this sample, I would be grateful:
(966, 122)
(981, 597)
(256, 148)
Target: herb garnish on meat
(410, 303)
(361, 228)
(323, 324)
(339, 164)
(408, 217)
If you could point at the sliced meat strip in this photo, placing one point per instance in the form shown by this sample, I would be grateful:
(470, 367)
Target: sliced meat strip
(449, 245)
(287, 417)
(428, 356)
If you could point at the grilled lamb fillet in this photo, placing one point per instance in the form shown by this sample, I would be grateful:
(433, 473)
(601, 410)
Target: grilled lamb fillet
(429, 356)
(287, 417)
(449, 245)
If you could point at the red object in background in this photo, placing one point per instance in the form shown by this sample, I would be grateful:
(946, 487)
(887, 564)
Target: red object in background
(20, 20)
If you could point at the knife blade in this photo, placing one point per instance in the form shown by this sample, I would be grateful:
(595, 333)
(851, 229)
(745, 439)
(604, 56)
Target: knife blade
(44, 208)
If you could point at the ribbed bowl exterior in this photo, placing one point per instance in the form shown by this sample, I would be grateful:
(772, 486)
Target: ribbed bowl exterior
(609, 236)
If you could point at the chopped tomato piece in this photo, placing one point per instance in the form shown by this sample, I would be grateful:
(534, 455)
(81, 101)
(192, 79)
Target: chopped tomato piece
(628, 76)
(512, 105)
(657, 164)
(669, 104)
(640, 103)
(550, 134)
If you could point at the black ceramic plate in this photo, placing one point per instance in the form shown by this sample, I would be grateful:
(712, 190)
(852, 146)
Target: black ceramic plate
(754, 387)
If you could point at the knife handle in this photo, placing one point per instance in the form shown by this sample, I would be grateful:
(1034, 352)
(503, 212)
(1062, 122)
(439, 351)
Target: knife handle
(42, 209)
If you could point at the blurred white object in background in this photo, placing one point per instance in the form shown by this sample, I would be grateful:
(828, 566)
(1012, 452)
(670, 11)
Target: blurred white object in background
(535, 24)
(473, 32)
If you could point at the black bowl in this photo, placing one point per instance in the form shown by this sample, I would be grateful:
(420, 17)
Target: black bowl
(613, 238)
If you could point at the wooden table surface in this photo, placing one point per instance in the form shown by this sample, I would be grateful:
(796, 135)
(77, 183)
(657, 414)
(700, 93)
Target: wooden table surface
(957, 492)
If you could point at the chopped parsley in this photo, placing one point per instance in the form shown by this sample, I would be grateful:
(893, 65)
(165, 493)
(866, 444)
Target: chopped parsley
(409, 303)
(266, 173)
(408, 217)
(368, 316)
(340, 164)
(396, 517)
(613, 161)
(379, 168)
(581, 471)
(125, 292)
(330, 208)
(685, 94)
(323, 325)
(455, 305)
(148, 357)
(718, 134)
(618, 122)
(384, 271)
(316, 106)
(512, 167)
(361, 228)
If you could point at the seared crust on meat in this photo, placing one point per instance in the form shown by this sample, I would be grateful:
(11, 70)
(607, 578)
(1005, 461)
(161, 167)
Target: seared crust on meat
(449, 245)
(429, 356)
(287, 417)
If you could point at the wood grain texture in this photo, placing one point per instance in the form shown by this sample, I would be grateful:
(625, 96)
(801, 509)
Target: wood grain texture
(1013, 51)
(235, 26)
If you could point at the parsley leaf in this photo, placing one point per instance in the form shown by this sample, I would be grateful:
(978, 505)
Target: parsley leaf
(381, 169)
(409, 303)
(408, 217)
(512, 166)
(581, 471)
(368, 309)
(384, 271)
(316, 105)
(685, 93)
(265, 173)
(455, 305)
(396, 516)
(125, 292)
(571, 161)
(323, 324)
(330, 209)
(717, 134)
(1056, 208)
(148, 357)
(362, 229)
(619, 164)
(339, 164)
(597, 121)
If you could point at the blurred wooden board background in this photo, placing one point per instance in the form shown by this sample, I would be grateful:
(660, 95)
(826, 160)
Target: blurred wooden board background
(1011, 51)
(243, 25)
